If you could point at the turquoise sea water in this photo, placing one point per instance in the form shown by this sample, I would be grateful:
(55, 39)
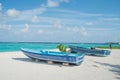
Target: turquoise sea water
(15, 46)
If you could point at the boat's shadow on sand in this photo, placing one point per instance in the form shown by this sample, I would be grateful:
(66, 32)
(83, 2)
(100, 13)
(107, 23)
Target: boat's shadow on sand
(115, 68)
(42, 62)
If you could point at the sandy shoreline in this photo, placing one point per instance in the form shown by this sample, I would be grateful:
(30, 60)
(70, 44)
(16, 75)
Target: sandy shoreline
(16, 66)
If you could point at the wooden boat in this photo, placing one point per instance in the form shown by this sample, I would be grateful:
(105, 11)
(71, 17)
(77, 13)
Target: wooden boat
(55, 56)
(89, 51)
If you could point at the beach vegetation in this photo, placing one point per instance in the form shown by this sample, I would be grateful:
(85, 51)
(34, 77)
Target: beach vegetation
(62, 47)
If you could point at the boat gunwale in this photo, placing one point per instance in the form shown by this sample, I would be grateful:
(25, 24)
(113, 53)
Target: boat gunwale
(59, 53)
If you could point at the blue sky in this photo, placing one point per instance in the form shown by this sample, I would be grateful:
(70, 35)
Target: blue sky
(60, 20)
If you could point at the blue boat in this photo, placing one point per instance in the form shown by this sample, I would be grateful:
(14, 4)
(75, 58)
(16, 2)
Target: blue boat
(89, 51)
(55, 56)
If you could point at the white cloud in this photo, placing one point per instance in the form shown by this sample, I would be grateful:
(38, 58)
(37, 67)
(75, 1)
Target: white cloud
(40, 31)
(0, 6)
(101, 29)
(58, 24)
(35, 19)
(5, 26)
(34, 11)
(65, 1)
(26, 29)
(12, 12)
(78, 13)
(29, 15)
(81, 30)
(111, 19)
(89, 23)
(75, 29)
(52, 3)
(55, 3)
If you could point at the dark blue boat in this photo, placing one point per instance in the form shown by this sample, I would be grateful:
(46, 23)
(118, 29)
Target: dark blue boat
(56, 56)
(89, 51)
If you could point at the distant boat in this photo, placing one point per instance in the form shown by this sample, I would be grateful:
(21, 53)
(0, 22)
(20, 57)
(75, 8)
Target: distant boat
(57, 56)
(89, 51)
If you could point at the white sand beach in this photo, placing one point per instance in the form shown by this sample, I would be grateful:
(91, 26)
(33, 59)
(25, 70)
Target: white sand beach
(16, 66)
